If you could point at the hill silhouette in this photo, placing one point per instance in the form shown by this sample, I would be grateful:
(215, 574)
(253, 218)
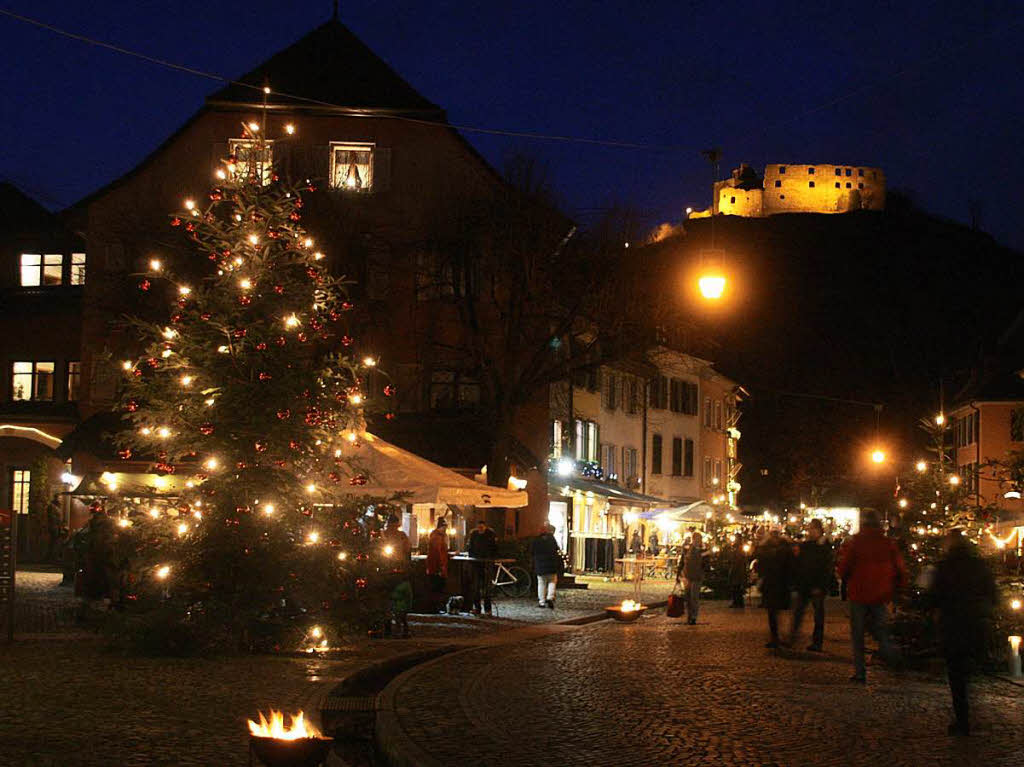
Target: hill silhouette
(886, 307)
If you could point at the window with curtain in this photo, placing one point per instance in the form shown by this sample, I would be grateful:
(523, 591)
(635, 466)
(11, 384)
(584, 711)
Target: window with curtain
(21, 481)
(352, 166)
(32, 381)
(250, 161)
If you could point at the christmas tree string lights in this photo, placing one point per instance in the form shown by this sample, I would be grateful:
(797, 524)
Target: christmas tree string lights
(248, 395)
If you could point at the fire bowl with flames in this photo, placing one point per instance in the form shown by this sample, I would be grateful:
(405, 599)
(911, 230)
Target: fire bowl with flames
(298, 745)
(627, 612)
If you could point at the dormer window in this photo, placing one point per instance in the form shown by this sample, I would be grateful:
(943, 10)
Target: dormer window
(352, 166)
(248, 161)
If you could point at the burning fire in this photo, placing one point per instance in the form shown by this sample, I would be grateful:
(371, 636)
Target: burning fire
(275, 728)
(628, 605)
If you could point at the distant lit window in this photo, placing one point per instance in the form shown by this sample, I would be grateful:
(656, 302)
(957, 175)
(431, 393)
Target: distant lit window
(32, 381)
(352, 167)
(837, 185)
(77, 268)
(21, 481)
(860, 171)
(849, 171)
(810, 184)
(839, 171)
(778, 183)
(810, 171)
(31, 270)
(74, 380)
(250, 162)
(782, 169)
(849, 185)
(732, 200)
(860, 186)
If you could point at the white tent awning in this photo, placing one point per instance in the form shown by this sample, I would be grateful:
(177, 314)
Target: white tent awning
(390, 469)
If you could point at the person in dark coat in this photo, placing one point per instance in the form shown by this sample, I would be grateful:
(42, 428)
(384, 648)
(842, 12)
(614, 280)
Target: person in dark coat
(652, 544)
(964, 592)
(482, 546)
(636, 544)
(813, 575)
(547, 563)
(737, 574)
(775, 569)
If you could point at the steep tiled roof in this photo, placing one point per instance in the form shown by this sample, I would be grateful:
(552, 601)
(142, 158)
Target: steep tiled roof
(329, 65)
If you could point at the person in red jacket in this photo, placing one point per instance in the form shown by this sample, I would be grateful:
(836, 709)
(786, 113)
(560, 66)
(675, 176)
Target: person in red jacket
(874, 569)
(437, 561)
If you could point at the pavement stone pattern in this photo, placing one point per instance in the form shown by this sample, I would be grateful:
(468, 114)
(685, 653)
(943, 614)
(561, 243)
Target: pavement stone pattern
(661, 692)
(41, 605)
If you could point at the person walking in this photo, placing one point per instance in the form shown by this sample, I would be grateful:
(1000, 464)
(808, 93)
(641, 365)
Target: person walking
(437, 563)
(737, 573)
(691, 571)
(813, 577)
(775, 570)
(874, 571)
(547, 563)
(964, 592)
(482, 547)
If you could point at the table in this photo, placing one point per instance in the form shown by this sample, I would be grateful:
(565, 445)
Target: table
(649, 567)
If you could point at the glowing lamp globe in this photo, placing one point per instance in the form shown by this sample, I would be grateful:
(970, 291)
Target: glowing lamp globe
(878, 456)
(712, 286)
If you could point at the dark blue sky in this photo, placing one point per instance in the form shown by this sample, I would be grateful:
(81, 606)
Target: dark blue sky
(931, 92)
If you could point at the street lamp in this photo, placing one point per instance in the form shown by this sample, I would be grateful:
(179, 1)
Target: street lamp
(921, 466)
(878, 456)
(712, 285)
(954, 480)
(940, 419)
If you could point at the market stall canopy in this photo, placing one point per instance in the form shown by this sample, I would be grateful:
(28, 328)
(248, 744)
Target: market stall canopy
(129, 485)
(390, 469)
(691, 512)
(613, 493)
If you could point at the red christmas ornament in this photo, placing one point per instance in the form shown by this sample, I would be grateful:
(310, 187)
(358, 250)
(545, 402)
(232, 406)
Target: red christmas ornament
(164, 468)
(261, 346)
(183, 302)
(242, 510)
(358, 480)
(175, 221)
(283, 414)
(205, 316)
(298, 202)
(245, 300)
(280, 341)
(346, 306)
(144, 285)
(302, 338)
(261, 447)
(125, 454)
(316, 324)
(334, 476)
(294, 445)
(137, 373)
(389, 390)
(279, 289)
(153, 362)
(190, 227)
(206, 429)
(311, 188)
(346, 340)
(176, 318)
(360, 583)
(265, 376)
(95, 506)
(334, 316)
(216, 195)
(239, 332)
(279, 463)
(390, 416)
(131, 405)
(241, 465)
(294, 216)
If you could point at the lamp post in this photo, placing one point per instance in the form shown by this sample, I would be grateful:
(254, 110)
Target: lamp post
(712, 281)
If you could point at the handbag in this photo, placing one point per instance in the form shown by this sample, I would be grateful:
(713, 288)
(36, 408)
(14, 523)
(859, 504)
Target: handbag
(676, 604)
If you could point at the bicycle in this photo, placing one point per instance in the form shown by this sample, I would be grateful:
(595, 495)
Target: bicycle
(512, 581)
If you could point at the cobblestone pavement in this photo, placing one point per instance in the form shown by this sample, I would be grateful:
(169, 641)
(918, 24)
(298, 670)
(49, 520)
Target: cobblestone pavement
(661, 692)
(41, 604)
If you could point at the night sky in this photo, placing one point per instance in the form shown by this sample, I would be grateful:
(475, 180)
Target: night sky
(931, 92)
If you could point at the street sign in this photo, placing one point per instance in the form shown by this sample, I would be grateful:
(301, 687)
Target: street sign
(8, 538)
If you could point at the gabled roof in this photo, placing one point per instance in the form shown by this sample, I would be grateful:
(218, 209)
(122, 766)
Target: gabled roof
(329, 65)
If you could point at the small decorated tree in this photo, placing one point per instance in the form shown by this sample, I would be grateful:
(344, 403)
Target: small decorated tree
(249, 404)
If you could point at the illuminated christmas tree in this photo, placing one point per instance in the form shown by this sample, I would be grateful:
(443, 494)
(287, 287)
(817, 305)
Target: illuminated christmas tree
(249, 404)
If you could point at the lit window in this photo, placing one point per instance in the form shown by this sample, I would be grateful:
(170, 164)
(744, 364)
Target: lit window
(21, 481)
(860, 171)
(74, 380)
(53, 268)
(556, 439)
(78, 268)
(31, 270)
(32, 381)
(848, 185)
(352, 166)
(248, 163)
